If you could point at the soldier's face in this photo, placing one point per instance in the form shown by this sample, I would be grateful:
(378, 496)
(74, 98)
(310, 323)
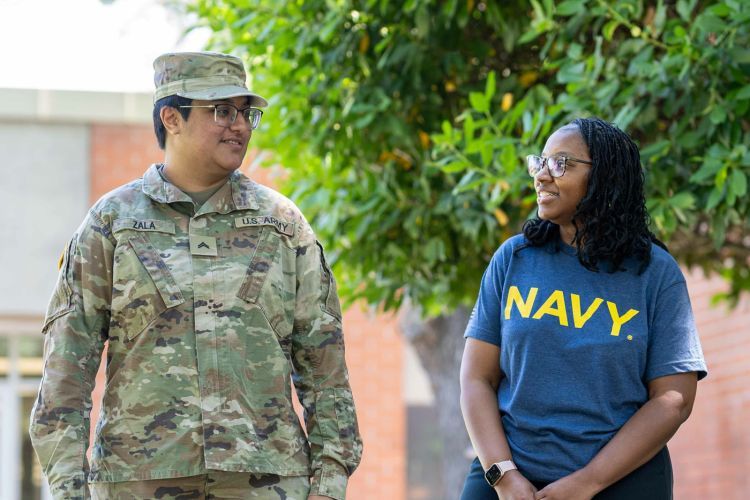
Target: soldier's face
(210, 145)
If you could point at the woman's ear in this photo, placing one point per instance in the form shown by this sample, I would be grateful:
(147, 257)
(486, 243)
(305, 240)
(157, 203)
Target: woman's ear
(172, 120)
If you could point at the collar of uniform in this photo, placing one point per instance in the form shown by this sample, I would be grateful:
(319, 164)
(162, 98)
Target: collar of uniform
(159, 190)
(242, 191)
(237, 194)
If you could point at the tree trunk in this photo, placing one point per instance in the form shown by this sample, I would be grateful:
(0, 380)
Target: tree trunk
(439, 344)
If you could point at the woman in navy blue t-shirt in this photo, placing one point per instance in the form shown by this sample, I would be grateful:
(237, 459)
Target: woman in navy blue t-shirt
(582, 357)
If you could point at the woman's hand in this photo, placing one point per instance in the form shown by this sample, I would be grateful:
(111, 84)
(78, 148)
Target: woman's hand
(643, 435)
(318, 497)
(513, 486)
(572, 487)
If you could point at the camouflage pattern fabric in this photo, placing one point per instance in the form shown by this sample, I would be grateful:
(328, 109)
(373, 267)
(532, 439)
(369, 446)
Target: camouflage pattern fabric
(202, 75)
(213, 485)
(207, 317)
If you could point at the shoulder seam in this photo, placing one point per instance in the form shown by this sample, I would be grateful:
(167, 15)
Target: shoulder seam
(678, 282)
(106, 230)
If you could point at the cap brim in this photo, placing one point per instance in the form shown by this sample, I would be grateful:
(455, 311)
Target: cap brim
(225, 92)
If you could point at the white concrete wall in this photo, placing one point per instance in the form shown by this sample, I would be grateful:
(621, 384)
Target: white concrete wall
(44, 188)
(72, 106)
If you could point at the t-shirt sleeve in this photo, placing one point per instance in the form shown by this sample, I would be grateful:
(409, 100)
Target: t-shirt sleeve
(674, 346)
(484, 323)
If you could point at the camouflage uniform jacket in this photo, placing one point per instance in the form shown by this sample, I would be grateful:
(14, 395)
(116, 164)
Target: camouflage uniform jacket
(207, 317)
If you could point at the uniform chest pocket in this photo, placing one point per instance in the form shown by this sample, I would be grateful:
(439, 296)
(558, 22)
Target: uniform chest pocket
(269, 282)
(142, 288)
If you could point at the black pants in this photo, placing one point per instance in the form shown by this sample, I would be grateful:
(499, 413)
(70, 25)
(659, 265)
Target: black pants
(651, 481)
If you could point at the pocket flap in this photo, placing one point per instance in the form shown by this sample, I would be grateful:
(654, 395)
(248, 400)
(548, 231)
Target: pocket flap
(157, 269)
(329, 293)
(61, 302)
(265, 255)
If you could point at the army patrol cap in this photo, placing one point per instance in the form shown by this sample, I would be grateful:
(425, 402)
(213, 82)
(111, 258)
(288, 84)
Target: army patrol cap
(202, 75)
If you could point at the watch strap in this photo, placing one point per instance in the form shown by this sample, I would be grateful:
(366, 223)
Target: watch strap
(497, 470)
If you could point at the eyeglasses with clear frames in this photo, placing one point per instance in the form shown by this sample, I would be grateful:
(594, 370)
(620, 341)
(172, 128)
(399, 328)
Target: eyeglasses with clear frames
(226, 114)
(555, 164)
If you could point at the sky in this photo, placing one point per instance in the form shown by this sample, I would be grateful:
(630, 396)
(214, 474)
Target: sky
(88, 44)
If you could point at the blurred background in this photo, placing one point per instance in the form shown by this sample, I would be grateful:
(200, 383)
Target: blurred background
(399, 128)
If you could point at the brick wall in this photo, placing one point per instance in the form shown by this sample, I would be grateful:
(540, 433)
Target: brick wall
(121, 153)
(374, 356)
(711, 451)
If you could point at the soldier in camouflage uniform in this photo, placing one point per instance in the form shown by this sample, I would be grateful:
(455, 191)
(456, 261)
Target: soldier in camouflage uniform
(212, 292)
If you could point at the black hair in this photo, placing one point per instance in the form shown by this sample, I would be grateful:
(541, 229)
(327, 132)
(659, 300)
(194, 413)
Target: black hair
(611, 219)
(173, 101)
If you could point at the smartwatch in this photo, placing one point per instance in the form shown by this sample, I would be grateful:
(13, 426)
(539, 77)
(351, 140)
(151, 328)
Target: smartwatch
(496, 471)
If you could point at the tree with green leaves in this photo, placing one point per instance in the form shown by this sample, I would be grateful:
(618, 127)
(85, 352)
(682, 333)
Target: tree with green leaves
(403, 126)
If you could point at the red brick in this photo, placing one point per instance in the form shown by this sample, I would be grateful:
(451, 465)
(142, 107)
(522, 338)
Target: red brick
(711, 451)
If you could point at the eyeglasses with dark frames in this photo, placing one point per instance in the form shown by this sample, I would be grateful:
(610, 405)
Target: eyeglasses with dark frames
(556, 164)
(226, 114)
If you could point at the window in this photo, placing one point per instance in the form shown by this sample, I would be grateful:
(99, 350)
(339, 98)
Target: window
(20, 372)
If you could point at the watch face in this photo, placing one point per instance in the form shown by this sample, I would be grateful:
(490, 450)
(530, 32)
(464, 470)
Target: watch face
(493, 474)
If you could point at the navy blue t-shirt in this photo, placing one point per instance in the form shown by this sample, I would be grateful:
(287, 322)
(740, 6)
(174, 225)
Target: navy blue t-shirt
(577, 348)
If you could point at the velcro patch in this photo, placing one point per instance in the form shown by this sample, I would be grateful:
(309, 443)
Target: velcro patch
(281, 226)
(203, 245)
(153, 225)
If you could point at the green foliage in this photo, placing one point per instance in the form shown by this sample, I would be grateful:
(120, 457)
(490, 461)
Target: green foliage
(404, 124)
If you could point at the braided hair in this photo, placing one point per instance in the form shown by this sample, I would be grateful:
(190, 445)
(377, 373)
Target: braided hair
(611, 220)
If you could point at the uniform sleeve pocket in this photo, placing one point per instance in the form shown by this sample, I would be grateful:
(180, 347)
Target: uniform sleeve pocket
(329, 293)
(61, 302)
